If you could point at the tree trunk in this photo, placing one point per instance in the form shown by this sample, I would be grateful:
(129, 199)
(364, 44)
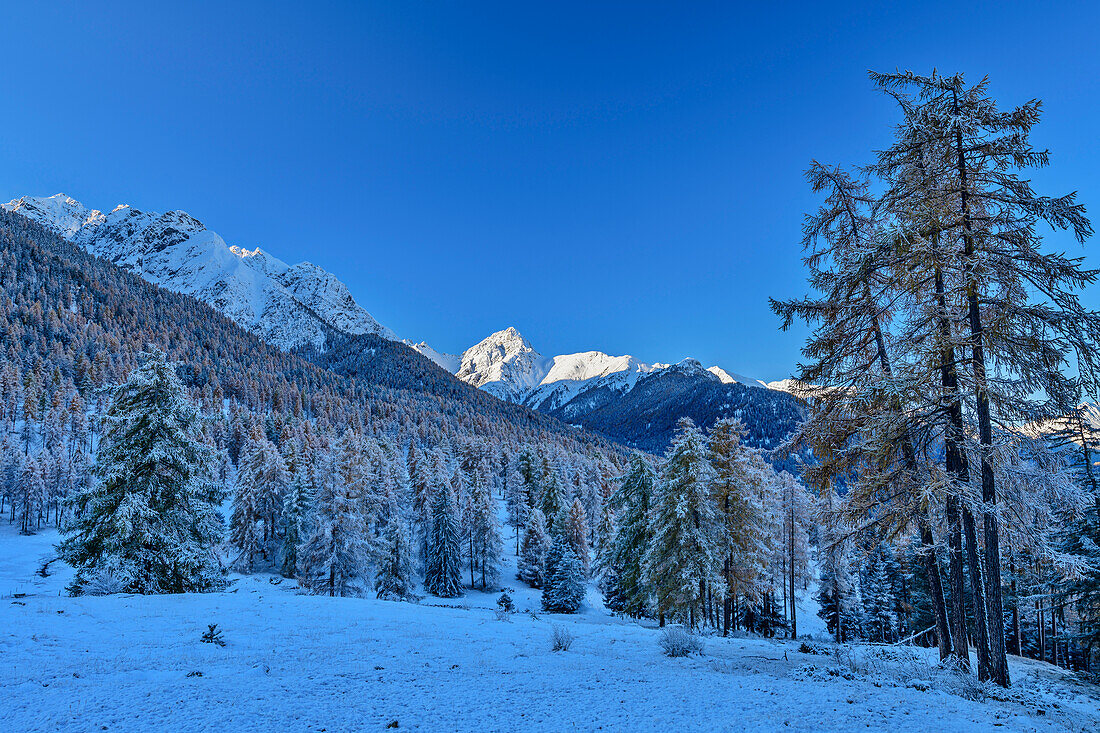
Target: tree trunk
(985, 432)
(977, 588)
(935, 590)
(960, 648)
(794, 603)
(957, 468)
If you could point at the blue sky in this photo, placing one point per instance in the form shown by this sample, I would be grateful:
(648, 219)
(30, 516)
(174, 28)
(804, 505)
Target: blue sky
(624, 177)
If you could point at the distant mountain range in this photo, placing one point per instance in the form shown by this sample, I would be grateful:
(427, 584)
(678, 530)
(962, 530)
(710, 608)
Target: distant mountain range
(302, 306)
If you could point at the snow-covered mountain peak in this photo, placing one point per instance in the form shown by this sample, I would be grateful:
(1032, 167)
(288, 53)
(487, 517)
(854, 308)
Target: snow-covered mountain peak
(287, 306)
(59, 212)
(504, 363)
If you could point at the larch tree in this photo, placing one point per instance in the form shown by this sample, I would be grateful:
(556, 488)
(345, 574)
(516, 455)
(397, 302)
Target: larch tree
(1018, 307)
(741, 539)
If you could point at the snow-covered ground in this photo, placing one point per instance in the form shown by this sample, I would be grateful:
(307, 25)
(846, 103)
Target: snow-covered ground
(304, 663)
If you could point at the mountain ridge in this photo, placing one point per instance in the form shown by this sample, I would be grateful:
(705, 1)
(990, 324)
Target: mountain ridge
(286, 305)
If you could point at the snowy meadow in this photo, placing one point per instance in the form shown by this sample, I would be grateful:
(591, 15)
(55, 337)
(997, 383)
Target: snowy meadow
(299, 662)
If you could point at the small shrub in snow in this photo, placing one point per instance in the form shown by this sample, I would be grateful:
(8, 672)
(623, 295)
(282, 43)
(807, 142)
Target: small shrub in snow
(561, 639)
(677, 642)
(505, 604)
(213, 635)
(104, 582)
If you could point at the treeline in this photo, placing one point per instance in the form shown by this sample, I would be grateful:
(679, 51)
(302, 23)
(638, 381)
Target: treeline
(943, 332)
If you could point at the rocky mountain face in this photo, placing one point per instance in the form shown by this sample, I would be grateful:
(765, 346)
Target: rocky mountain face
(286, 305)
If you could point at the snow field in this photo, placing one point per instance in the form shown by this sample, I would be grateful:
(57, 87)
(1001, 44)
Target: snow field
(295, 662)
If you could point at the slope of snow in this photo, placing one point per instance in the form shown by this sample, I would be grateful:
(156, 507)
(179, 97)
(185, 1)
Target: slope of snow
(450, 362)
(285, 305)
(308, 663)
(731, 377)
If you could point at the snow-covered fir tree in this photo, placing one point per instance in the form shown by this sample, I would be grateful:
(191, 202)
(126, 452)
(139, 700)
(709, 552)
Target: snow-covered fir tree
(261, 485)
(395, 573)
(626, 589)
(680, 563)
(563, 591)
(576, 534)
(484, 541)
(150, 518)
(443, 563)
(552, 500)
(297, 506)
(333, 559)
(536, 543)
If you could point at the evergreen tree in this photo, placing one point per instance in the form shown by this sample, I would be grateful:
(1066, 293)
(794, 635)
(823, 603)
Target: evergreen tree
(332, 560)
(536, 543)
(484, 534)
(151, 518)
(680, 564)
(553, 495)
(876, 592)
(296, 508)
(443, 564)
(838, 595)
(30, 493)
(395, 576)
(576, 534)
(627, 591)
(564, 588)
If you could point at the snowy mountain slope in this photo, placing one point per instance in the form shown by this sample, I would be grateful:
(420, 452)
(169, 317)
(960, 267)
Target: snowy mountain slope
(286, 305)
(450, 362)
(730, 377)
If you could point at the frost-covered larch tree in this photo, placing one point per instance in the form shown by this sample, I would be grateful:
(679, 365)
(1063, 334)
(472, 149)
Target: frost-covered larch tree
(150, 517)
(740, 534)
(1016, 307)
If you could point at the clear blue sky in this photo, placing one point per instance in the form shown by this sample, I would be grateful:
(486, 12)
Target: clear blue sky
(624, 177)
